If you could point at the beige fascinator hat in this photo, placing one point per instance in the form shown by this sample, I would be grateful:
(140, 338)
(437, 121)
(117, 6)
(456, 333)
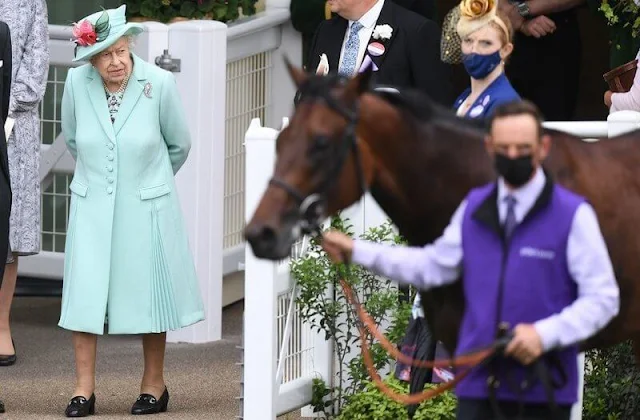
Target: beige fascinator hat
(464, 19)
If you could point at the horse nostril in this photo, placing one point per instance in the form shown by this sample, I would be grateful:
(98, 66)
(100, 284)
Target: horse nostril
(261, 237)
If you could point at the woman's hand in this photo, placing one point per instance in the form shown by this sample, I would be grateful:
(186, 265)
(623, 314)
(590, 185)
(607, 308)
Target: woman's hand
(338, 245)
(607, 98)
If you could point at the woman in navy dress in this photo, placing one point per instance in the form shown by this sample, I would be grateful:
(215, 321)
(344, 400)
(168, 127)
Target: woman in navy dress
(480, 37)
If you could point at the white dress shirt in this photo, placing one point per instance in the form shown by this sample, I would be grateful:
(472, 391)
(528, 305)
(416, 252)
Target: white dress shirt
(368, 21)
(587, 259)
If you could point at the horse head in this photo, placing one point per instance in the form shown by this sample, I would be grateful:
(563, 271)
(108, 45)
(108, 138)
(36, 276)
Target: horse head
(321, 165)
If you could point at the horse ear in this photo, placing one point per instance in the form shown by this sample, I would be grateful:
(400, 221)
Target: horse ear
(297, 74)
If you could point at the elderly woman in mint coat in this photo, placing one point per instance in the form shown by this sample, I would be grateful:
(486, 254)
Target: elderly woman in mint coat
(127, 257)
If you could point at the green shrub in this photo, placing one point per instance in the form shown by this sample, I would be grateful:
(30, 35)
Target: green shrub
(611, 384)
(371, 404)
(166, 10)
(331, 314)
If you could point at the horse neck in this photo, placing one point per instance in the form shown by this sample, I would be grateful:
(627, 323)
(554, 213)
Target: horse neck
(422, 174)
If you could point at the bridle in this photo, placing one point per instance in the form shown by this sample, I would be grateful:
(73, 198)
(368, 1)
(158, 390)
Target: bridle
(312, 207)
(311, 211)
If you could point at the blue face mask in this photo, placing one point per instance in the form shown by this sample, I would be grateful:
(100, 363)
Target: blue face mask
(479, 66)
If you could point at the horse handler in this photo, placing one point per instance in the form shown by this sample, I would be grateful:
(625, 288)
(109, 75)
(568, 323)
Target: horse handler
(535, 265)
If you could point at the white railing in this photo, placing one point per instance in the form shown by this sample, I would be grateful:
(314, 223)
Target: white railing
(281, 354)
(268, 288)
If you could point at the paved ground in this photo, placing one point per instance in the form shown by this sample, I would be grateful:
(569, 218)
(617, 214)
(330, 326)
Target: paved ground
(203, 380)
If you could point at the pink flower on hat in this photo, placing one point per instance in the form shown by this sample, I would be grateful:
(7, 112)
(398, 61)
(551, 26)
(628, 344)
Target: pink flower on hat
(84, 33)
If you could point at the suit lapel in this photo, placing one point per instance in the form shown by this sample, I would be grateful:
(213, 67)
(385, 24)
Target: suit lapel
(386, 18)
(132, 93)
(97, 95)
(334, 40)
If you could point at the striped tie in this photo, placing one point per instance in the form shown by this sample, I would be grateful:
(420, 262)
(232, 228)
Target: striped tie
(510, 221)
(350, 56)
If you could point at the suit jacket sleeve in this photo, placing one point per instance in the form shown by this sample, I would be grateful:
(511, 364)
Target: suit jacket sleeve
(6, 71)
(68, 115)
(430, 74)
(173, 123)
(313, 59)
(31, 77)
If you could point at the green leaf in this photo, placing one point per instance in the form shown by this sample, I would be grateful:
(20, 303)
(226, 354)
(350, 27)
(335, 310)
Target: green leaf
(147, 10)
(187, 9)
(220, 11)
(133, 8)
(206, 6)
(102, 26)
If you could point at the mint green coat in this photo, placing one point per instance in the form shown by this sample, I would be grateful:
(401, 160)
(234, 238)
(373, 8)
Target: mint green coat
(127, 253)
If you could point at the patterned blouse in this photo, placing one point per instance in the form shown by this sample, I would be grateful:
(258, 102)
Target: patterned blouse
(114, 100)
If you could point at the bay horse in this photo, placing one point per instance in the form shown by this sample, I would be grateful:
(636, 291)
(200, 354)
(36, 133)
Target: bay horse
(419, 161)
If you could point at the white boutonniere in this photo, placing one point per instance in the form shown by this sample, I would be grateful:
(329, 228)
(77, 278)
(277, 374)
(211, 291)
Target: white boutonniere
(323, 66)
(382, 32)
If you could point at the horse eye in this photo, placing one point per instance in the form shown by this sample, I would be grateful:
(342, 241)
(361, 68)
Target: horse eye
(321, 142)
(319, 146)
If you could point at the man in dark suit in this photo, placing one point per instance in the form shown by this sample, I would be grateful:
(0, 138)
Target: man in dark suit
(403, 46)
(5, 185)
(306, 15)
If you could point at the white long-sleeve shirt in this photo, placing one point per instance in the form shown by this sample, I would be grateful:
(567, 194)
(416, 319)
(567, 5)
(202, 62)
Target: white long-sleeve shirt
(588, 261)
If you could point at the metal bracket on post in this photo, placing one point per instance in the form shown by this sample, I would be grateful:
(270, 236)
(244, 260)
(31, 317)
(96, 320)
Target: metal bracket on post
(165, 62)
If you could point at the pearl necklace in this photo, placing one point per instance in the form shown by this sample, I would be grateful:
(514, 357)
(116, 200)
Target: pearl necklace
(120, 90)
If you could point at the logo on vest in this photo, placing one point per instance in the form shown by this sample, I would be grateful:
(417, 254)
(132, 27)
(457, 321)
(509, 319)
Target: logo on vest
(531, 252)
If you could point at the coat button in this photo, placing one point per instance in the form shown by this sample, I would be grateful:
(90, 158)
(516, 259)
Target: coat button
(110, 157)
(110, 180)
(109, 168)
(110, 146)
(109, 190)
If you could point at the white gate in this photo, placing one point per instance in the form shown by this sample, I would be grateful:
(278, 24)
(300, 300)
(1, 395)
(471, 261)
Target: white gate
(282, 355)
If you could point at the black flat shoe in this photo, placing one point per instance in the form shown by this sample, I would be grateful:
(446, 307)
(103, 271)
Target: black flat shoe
(10, 359)
(81, 407)
(148, 404)
(1, 407)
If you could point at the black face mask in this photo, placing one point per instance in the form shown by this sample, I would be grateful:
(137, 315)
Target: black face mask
(516, 172)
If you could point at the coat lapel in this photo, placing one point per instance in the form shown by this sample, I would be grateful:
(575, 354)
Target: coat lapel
(132, 93)
(334, 40)
(386, 18)
(97, 95)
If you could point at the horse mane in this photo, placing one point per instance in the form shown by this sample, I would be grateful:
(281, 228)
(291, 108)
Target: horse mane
(417, 107)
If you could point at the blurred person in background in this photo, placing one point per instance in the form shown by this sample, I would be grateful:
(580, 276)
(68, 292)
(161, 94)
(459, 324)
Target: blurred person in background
(545, 65)
(481, 37)
(28, 22)
(5, 182)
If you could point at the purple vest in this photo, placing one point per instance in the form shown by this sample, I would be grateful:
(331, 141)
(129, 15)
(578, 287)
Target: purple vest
(536, 284)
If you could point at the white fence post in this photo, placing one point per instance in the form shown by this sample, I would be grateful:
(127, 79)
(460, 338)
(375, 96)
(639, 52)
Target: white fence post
(201, 46)
(576, 410)
(153, 41)
(260, 297)
(283, 89)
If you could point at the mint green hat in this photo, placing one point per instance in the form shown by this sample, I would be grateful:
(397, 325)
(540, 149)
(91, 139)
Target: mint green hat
(106, 28)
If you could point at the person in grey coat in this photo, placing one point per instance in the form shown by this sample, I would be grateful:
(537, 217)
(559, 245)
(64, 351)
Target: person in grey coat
(5, 183)
(28, 22)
